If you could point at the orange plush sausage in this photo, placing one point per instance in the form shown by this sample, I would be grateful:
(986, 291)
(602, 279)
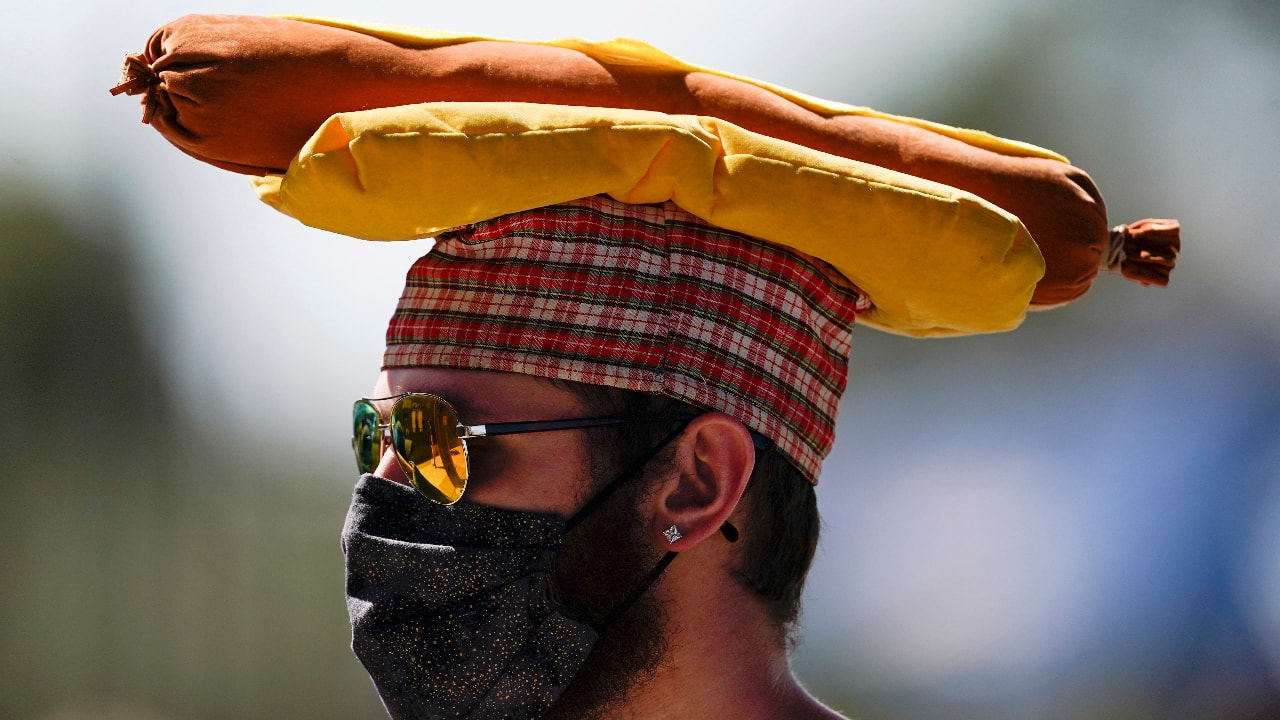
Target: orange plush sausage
(245, 93)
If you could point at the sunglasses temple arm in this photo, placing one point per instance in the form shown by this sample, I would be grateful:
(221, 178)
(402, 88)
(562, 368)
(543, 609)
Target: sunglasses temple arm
(467, 432)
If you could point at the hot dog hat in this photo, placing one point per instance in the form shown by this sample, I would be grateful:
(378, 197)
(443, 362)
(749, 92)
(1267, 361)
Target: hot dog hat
(607, 213)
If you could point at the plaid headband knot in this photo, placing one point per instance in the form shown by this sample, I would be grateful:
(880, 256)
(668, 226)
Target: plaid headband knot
(640, 297)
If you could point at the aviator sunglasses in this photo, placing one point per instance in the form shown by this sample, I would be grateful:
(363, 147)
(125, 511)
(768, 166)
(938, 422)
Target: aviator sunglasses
(430, 442)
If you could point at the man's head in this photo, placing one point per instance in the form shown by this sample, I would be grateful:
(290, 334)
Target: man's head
(706, 474)
(645, 311)
(598, 308)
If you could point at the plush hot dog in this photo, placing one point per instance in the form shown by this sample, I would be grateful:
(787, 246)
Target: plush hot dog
(246, 93)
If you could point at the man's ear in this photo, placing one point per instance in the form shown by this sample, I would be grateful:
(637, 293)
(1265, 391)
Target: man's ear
(714, 457)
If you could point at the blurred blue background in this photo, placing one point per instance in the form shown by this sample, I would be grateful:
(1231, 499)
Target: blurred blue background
(1079, 519)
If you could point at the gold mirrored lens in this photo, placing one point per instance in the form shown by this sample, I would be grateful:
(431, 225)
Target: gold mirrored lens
(366, 437)
(424, 431)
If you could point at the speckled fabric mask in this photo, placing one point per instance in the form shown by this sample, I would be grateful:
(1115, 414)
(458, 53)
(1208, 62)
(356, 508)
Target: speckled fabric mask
(450, 609)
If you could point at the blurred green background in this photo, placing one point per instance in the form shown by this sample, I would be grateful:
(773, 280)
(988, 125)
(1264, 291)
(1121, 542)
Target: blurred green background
(1079, 519)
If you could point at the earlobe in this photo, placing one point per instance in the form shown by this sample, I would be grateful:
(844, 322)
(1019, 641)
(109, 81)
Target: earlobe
(714, 459)
(672, 534)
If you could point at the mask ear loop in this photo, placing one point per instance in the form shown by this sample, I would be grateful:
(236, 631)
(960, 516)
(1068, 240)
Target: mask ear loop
(594, 503)
(727, 529)
(634, 596)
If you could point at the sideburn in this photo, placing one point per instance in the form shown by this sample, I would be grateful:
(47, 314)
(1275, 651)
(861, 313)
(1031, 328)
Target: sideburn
(600, 562)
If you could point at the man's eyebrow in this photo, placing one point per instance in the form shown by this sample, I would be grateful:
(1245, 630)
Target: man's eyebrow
(468, 414)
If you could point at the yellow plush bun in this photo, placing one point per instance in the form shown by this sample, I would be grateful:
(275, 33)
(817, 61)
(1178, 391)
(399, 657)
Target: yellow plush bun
(933, 259)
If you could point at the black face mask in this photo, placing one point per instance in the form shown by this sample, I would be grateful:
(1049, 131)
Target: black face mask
(450, 606)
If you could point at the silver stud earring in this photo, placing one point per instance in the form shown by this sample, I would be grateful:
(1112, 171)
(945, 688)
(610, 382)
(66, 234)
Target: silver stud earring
(672, 533)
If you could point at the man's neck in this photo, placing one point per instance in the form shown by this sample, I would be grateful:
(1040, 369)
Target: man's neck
(727, 660)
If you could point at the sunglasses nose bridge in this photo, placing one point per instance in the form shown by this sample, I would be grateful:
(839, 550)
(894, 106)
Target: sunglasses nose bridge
(384, 438)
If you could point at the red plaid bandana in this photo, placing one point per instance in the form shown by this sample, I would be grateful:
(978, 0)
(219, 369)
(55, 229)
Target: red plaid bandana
(640, 297)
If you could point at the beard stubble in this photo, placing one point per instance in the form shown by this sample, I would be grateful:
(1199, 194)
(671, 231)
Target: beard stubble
(601, 561)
